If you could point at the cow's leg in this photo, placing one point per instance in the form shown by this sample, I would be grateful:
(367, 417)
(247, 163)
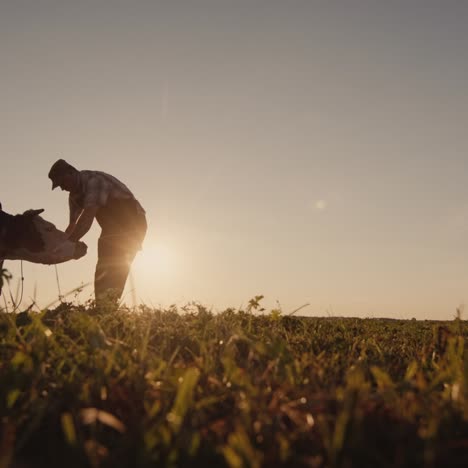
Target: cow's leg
(1, 274)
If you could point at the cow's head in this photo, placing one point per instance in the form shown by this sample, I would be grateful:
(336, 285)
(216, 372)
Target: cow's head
(30, 237)
(20, 231)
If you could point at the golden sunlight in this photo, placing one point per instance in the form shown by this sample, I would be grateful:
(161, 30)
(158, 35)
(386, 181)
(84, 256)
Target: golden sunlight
(156, 258)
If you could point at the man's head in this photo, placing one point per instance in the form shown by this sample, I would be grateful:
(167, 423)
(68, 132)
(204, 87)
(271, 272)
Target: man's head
(63, 175)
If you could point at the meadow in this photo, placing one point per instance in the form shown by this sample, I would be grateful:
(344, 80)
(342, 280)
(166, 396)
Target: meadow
(87, 387)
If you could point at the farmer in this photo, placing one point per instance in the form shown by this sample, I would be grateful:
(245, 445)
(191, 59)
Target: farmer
(95, 194)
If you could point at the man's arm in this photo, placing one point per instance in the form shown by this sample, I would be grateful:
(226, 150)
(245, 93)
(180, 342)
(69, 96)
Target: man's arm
(75, 212)
(83, 224)
(95, 196)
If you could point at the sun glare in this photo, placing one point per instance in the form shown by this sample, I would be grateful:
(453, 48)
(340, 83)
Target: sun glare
(155, 259)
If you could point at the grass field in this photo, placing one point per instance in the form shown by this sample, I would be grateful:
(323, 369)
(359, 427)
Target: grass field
(81, 387)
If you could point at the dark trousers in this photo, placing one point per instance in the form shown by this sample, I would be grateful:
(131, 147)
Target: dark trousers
(117, 247)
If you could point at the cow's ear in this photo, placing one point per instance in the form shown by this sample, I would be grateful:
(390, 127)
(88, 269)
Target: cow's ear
(32, 213)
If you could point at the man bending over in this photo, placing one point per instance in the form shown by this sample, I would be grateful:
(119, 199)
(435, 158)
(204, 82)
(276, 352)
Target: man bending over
(100, 196)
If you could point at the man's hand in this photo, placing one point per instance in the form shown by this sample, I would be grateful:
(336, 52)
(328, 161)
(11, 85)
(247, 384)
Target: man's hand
(82, 225)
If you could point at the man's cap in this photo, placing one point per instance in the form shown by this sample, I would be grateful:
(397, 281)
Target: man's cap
(59, 168)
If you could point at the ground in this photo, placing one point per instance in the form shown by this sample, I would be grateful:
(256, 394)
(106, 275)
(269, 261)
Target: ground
(81, 387)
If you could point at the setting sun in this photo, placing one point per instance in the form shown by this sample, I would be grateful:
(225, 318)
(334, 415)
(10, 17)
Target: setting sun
(154, 259)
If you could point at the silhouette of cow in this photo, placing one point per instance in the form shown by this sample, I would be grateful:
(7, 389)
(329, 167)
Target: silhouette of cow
(29, 237)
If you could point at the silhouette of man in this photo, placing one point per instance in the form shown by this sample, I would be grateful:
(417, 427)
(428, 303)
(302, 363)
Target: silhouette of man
(100, 196)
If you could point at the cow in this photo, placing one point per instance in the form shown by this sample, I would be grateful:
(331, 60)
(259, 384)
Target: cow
(29, 237)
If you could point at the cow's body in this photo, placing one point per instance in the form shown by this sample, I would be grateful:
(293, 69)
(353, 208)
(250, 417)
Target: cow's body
(29, 237)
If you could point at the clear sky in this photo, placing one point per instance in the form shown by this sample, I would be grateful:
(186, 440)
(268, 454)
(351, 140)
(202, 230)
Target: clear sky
(310, 151)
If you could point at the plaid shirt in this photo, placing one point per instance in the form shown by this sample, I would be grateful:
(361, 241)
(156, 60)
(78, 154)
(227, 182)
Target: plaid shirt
(96, 189)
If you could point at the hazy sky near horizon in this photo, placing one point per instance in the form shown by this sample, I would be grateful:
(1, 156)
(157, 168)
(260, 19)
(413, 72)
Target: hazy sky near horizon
(310, 151)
